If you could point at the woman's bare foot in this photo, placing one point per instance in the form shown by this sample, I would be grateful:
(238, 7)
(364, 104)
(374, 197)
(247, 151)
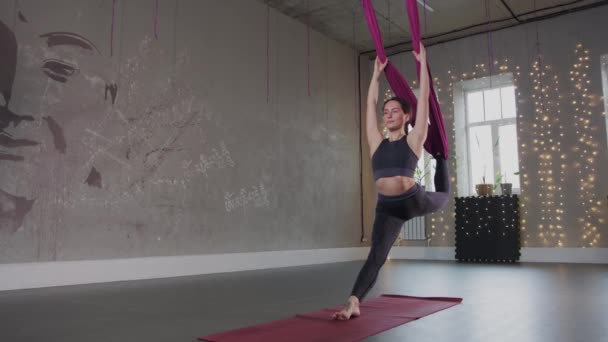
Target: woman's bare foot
(350, 309)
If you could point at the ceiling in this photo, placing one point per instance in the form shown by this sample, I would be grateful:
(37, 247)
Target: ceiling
(444, 20)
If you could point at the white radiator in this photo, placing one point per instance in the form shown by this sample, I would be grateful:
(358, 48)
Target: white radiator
(414, 230)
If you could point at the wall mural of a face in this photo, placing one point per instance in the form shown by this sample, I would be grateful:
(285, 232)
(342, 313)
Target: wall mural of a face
(81, 130)
(13, 208)
(62, 52)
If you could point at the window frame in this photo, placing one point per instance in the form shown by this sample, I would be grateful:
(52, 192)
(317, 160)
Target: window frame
(462, 127)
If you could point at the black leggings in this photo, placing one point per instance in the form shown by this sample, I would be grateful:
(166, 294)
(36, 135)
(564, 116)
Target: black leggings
(391, 213)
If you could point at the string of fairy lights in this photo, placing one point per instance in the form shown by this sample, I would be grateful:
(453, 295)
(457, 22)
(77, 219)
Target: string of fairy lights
(586, 149)
(541, 142)
(547, 135)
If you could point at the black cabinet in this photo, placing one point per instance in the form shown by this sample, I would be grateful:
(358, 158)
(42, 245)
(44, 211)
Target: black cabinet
(487, 229)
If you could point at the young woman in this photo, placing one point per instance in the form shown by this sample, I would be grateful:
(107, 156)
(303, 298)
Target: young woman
(394, 160)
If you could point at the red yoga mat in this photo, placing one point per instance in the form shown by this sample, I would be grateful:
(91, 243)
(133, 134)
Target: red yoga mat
(377, 315)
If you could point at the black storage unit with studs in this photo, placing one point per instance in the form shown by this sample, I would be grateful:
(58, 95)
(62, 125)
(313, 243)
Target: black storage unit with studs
(487, 229)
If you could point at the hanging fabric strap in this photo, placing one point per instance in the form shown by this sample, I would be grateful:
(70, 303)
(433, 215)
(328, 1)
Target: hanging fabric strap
(436, 142)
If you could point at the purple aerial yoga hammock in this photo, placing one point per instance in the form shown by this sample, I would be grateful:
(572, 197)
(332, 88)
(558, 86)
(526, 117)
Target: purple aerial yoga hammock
(436, 142)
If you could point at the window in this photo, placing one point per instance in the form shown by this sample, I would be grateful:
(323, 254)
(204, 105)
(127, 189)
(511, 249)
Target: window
(486, 132)
(605, 86)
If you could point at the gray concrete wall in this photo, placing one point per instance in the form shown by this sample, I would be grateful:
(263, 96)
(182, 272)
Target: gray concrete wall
(584, 202)
(123, 144)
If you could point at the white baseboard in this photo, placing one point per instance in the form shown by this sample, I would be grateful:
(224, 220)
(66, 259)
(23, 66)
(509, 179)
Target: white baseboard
(528, 254)
(422, 253)
(61, 273)
(565, 255)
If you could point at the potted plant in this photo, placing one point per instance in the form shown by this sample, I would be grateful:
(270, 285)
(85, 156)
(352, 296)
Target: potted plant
(484, 189)
(506, 187)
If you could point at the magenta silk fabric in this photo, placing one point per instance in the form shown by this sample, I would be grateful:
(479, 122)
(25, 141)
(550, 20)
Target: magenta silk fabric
(436, 142)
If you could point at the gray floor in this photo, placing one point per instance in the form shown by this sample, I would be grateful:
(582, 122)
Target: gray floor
(527, 302)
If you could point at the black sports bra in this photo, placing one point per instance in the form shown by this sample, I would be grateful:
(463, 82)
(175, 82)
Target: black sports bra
(394, 158)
